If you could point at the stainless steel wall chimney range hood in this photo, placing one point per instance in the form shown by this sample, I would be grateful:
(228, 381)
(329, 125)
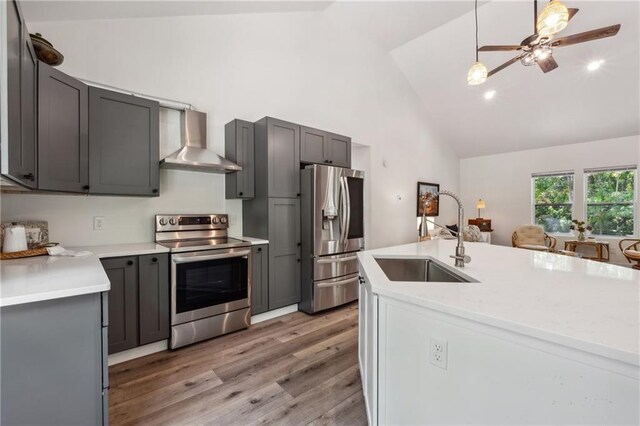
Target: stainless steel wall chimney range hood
(194, 155)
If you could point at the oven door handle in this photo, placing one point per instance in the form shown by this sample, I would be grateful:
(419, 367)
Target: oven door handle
(182, 258)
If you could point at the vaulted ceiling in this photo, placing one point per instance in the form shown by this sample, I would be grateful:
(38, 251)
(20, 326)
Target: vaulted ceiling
(432, 42)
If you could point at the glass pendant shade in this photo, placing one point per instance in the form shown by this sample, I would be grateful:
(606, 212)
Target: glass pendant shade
(477, 74)
(553, 19)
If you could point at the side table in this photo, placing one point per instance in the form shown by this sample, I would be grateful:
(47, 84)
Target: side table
(601, 248)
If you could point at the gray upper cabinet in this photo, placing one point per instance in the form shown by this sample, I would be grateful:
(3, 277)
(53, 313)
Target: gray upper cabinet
(123, 144)
(277, 158)
(123, 303)
(153, 295)
(260, 279)
(21, 93)
(339, 150)
(63, 122)
(284, 252)
(320, 147)
(239, 148)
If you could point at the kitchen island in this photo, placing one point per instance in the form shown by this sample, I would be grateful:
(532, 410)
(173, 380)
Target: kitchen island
(515, 337)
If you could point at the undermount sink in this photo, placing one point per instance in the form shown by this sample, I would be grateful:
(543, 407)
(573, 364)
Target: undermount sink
(425, 270)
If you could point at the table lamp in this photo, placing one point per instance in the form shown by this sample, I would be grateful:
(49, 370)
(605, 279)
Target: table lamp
(480, 205)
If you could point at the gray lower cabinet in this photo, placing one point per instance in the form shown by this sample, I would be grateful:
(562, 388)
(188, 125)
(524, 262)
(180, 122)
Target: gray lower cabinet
(123, 144)
(153, 292)
(52, 362)
(20, 115)
(320, 147)
(138, 300)
(123, 302)
(239, 148)
(277, 153)
(284, 252)
(260, 276)
(63, 126)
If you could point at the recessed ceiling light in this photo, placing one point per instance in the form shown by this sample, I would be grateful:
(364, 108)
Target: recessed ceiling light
(594, 65)
(489, 94)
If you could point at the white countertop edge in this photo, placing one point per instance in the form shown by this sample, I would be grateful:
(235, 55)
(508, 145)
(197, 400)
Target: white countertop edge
(60, 294)
(121, 250)
(252, 240)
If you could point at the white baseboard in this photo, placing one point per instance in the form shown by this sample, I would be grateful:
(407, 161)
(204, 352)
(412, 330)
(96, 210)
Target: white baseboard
(138, 352)
(274, 314)
(163, 345)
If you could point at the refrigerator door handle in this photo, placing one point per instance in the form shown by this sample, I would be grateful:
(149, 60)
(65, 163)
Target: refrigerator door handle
(348, 215)
(337, 283)
(343, 210)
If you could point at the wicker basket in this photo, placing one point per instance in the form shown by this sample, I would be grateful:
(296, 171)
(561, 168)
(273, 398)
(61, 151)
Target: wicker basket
(39, 251)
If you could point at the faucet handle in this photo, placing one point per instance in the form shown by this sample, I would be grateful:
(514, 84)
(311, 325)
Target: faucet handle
(465, 258)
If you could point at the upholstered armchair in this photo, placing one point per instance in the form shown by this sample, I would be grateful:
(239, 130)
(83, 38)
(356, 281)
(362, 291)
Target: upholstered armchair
(630, 248)
(532, 237)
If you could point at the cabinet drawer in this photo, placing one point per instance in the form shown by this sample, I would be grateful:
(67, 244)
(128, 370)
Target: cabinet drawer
(334, 266)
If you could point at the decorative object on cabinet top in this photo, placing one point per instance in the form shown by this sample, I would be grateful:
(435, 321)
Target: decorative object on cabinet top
(45, 50)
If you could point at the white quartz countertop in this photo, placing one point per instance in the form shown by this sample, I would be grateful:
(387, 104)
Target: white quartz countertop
(253, 241)
(42, 278)
(586, 305)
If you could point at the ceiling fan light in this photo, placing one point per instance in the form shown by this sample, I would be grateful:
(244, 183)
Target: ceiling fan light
(477, 74)
(553, 18)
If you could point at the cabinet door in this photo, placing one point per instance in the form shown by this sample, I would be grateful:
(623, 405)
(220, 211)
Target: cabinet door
(339, 150)
(239, 148)
(153, 273)
(123, 144)
(63, 123)
(283, 140)
(260, 276)
(314, 146)
(284, 252)
(123, 302)
(22, 67)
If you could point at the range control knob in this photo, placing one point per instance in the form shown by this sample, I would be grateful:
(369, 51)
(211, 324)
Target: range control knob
(162, 221)
(173, 221)
(214, 220)
(223, 219)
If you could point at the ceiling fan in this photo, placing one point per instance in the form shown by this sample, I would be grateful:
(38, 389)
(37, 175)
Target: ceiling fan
(538, 47)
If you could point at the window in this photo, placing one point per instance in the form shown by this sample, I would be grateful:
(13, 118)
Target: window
(610, 199)
(553, 200)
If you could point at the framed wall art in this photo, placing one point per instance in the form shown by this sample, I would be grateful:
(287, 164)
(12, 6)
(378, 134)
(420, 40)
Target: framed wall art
(433, 208)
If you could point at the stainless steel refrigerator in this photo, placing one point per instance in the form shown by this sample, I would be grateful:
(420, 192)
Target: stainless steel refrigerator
(332, 232)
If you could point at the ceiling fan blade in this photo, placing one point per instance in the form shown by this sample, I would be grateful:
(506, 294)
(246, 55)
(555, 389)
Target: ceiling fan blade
(503, 66)
(572, 13)
(499, 48)
(548, 64)
(586, 36)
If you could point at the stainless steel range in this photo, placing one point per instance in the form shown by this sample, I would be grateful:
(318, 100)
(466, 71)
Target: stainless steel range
(210, 277)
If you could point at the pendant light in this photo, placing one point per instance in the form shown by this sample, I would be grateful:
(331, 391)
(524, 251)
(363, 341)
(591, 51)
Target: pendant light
(553, 19)
(478, 72)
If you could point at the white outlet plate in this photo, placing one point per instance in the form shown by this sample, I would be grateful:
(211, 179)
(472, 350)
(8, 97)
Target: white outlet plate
(98, 223)
(438, 352)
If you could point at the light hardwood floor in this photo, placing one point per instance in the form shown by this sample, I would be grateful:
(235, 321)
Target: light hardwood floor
(294, 370)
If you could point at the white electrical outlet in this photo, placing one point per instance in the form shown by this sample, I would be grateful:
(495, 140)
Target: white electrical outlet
(98, 223)
(438, 352)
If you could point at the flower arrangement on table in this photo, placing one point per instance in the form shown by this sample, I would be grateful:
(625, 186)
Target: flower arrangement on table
(581, 227)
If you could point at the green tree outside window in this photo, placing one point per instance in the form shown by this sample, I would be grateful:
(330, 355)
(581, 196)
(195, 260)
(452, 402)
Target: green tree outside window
(553, 202)
(611, 201)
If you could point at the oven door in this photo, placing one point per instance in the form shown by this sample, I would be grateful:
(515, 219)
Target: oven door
(207, 283)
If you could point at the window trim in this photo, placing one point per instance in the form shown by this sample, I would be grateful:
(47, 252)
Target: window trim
(634, 203)
(533, 196)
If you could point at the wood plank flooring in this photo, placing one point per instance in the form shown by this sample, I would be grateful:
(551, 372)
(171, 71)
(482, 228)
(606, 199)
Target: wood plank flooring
(293, 370)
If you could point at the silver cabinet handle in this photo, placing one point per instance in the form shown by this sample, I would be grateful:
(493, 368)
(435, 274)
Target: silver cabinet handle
(337, 283)
(339, 260)
(181, 258)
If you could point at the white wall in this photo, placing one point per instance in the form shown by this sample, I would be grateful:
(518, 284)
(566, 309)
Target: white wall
(504, 181)
(300, 67)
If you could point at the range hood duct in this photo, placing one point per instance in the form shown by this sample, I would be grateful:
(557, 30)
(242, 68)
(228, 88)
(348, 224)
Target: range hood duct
(194, 155)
